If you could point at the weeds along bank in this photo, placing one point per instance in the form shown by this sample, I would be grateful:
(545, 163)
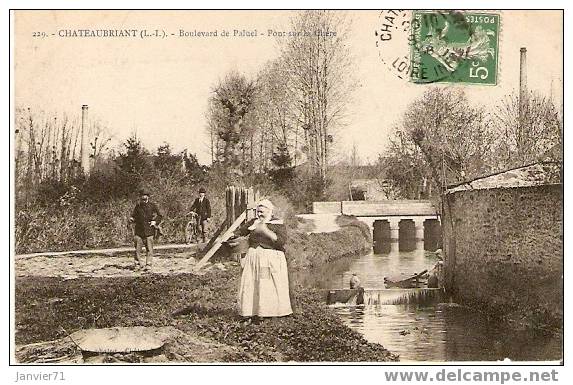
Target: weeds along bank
(95, 215)
(74, 219)
(204, 306)
(305, 251)
(76, 224)
(72, 223)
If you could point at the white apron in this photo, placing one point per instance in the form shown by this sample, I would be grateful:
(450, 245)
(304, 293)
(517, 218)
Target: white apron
(264, 289)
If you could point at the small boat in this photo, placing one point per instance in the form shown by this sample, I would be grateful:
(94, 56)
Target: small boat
(417, 280)
(348, 296)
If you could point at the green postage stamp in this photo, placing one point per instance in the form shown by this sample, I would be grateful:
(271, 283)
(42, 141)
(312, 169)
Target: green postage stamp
(454, 47)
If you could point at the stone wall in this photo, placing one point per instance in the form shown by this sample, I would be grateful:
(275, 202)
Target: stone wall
(504, 251)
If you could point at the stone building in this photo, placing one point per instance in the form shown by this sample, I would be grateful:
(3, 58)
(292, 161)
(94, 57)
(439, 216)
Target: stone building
(503, 241)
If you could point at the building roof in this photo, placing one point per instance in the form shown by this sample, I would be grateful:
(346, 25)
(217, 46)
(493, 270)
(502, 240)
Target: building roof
(537, 174)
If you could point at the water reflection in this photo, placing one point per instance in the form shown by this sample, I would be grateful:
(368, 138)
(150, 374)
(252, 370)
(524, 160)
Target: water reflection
(447, 333)
(434, 330)
(372, 268)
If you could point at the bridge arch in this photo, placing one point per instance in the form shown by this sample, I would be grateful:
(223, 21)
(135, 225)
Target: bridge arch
(421, 222)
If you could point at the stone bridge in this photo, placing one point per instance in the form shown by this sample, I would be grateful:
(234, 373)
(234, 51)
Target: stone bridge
(405, 221)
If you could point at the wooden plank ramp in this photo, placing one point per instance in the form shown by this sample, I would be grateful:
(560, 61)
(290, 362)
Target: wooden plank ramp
(220, 239)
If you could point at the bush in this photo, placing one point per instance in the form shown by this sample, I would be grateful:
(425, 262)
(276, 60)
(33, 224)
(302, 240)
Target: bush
(86, 217)
(94, 212)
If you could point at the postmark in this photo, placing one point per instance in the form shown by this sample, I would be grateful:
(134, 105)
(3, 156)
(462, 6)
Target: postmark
(393, 34)
(439, 46)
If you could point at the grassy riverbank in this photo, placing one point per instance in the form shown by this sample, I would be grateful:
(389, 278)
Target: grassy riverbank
(49, 308)
(305, 251)
(204, 306)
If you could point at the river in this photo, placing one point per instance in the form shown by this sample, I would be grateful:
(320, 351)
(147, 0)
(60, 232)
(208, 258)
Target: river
(433, 329)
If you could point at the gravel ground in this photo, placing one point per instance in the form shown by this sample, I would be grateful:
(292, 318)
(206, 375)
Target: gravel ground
(104, 266)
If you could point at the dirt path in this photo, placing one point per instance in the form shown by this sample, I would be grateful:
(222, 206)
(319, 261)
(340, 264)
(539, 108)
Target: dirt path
(193, 247)
(104, 266)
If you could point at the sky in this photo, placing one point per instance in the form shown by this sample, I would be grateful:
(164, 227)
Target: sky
(159, 87)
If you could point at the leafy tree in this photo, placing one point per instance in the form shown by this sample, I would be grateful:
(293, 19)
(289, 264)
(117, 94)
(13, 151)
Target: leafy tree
(403, 168)
(275, 113)
(320, 80)
(307, 187)
(196, 172)
(282, 173)
(133, 162)
(525, 139)
(167, 163)
(231, 107)
(454, 137)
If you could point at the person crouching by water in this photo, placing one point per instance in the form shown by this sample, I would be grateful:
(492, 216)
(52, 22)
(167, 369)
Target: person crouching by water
(354, 281)
(356, 285)
(264, 288)
(436, 278)
(147, 218)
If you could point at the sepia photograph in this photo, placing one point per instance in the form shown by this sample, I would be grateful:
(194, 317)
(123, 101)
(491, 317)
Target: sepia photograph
(287, 187)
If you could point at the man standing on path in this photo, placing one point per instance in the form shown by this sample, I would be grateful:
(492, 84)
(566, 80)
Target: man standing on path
(146, 217)
(202, 207)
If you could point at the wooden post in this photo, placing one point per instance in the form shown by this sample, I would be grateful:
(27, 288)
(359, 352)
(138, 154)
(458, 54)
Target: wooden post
(237, 205)
(231, 207)
(250, 204)
(227, 205)
(243, 199)
(240, 205)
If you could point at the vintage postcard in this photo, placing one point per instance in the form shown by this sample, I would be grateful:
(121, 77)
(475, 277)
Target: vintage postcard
(288, 186)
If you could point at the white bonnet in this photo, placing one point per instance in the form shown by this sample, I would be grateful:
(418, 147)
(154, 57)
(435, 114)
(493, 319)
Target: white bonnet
(266, 203)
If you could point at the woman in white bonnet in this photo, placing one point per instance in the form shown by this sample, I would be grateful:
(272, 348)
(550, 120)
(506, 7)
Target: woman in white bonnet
(264, 289)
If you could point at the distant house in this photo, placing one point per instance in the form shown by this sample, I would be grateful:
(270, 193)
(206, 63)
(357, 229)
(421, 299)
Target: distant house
(370, 190)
